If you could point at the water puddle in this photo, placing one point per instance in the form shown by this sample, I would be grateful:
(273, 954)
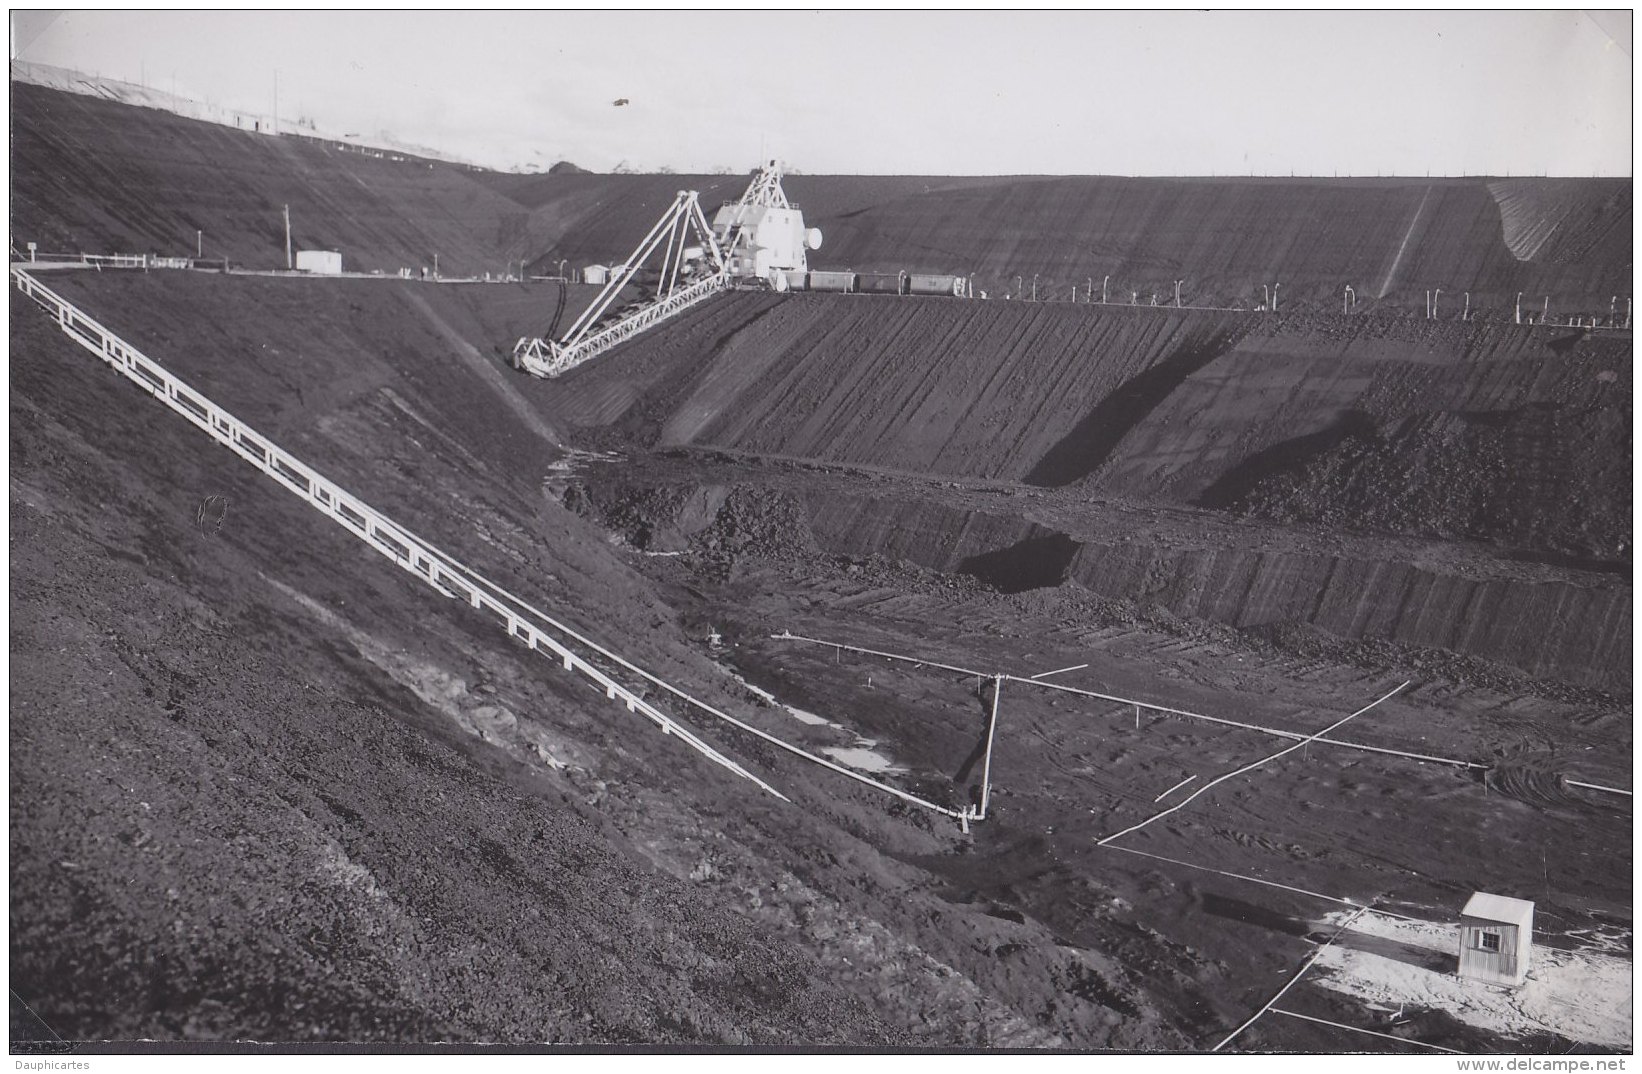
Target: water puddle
(570, 459)
(862, 757)
(569, 464)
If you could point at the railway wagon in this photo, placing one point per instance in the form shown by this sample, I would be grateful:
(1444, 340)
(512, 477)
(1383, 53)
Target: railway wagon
(935, 284)
(875, 283)
(871, 283)
(843, 282)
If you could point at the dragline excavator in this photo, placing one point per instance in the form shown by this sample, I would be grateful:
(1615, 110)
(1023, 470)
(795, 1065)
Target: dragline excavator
(756, 241)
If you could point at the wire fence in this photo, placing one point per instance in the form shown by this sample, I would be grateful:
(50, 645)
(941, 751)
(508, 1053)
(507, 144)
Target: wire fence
(1592, 313)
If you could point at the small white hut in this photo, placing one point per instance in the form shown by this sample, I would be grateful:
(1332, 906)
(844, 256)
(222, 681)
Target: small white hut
(321, 262)
(1496, 937)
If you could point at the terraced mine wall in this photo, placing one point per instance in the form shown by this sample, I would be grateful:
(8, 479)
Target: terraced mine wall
(1314, 427)
(1406, 433)
(1543, 625)
(1487, 432)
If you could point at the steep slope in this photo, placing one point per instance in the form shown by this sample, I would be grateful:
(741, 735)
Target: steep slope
(1484, 432)
(103, 177)
(246, 804)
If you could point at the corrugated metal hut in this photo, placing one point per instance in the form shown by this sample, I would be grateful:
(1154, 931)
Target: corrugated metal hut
(1496, 937)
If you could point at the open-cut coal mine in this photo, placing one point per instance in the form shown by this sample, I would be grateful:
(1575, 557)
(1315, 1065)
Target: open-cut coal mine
(988, 612)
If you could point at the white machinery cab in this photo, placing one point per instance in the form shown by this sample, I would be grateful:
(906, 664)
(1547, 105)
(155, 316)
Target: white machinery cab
(763, 234)
(771, 239)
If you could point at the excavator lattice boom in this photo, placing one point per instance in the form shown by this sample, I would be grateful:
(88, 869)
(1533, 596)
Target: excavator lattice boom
(759, 238)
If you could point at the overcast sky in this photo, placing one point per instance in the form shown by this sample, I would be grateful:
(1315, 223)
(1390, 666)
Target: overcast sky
(940, 92)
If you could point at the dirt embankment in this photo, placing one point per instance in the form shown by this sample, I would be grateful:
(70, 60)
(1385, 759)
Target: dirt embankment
(100, 177)
(144, 180)
(1227, 237)
(243, 814)
(1391, 240)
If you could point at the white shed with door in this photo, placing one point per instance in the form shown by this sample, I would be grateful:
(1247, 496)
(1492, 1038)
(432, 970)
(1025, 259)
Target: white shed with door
(1496, 937)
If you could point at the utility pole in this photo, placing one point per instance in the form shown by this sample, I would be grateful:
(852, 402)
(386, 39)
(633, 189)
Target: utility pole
(199, 242)
(1034, 287)
(1103, 282)
(289, 263)
(1519, 308)
(991, 730)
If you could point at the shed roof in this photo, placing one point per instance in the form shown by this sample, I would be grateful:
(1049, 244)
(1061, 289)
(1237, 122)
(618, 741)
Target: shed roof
(1501, 908)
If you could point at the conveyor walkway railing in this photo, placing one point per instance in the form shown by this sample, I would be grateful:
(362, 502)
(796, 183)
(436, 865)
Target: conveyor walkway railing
(405, 549)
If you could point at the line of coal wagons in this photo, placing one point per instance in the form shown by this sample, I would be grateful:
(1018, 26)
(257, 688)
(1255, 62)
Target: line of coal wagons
(874, 283)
